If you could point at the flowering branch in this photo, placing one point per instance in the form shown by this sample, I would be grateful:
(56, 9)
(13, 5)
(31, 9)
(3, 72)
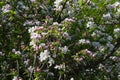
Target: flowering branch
(105, 57)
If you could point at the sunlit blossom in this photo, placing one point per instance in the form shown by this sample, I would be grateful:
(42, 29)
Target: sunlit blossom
(6, 8)
(44, 55)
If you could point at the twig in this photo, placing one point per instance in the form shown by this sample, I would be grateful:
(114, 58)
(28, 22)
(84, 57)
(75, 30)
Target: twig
(33, 66)
(59, 15)
(18, 67)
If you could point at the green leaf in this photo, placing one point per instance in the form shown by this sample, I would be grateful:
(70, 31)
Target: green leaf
(80, 2)
(1, 4)
(13, 12)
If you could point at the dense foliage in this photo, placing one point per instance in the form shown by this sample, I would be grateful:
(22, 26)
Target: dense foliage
(59, 40)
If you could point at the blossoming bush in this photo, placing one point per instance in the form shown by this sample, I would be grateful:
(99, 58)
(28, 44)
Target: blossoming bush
(59, 40)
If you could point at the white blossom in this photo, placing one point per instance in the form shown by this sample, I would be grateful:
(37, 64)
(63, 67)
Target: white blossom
(35, 36)
(90, 24)
(57, 5)
(31, 30)
(15, 78)
(17, 52)
(55, 23)
(117, 32)
(1, 53)
(67, 36)
(116, 4)
(107, 16)
(61, 66)
(32, 0)
(31, 69)
(84, 41)
(64, 49)
(6, 8)
(69, 19)
(72, 78)
(42, 45)
(44, 55)
(51, 61)
(13, 50)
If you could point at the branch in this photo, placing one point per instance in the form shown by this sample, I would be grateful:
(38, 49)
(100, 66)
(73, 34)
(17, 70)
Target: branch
(59, 15)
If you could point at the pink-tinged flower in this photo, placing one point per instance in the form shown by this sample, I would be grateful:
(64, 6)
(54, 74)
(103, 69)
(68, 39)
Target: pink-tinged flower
(36, 48)
(90, 53)
(22, 46)
(47, 17)
(35, 36)
(39, 28)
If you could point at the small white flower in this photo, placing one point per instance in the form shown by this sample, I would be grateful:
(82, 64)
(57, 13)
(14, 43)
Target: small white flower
(32, 0)
(31, 30)
(15, 78)
(72, 78)
(31, 69)
(6, 8)
(43, 33)
(83, 41)
(35, 36)
(107, 16)
(66, 35)
(90, 24)
(64, 49)
(32, 43)
(44, 55)
(117, 32)
(69, 19)
(1, 53)
(61, 66)
(116, 4)
(17, 52)
(51, 61)
(55, 23)
(13, 50)
(26, 62)
(57, 3)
